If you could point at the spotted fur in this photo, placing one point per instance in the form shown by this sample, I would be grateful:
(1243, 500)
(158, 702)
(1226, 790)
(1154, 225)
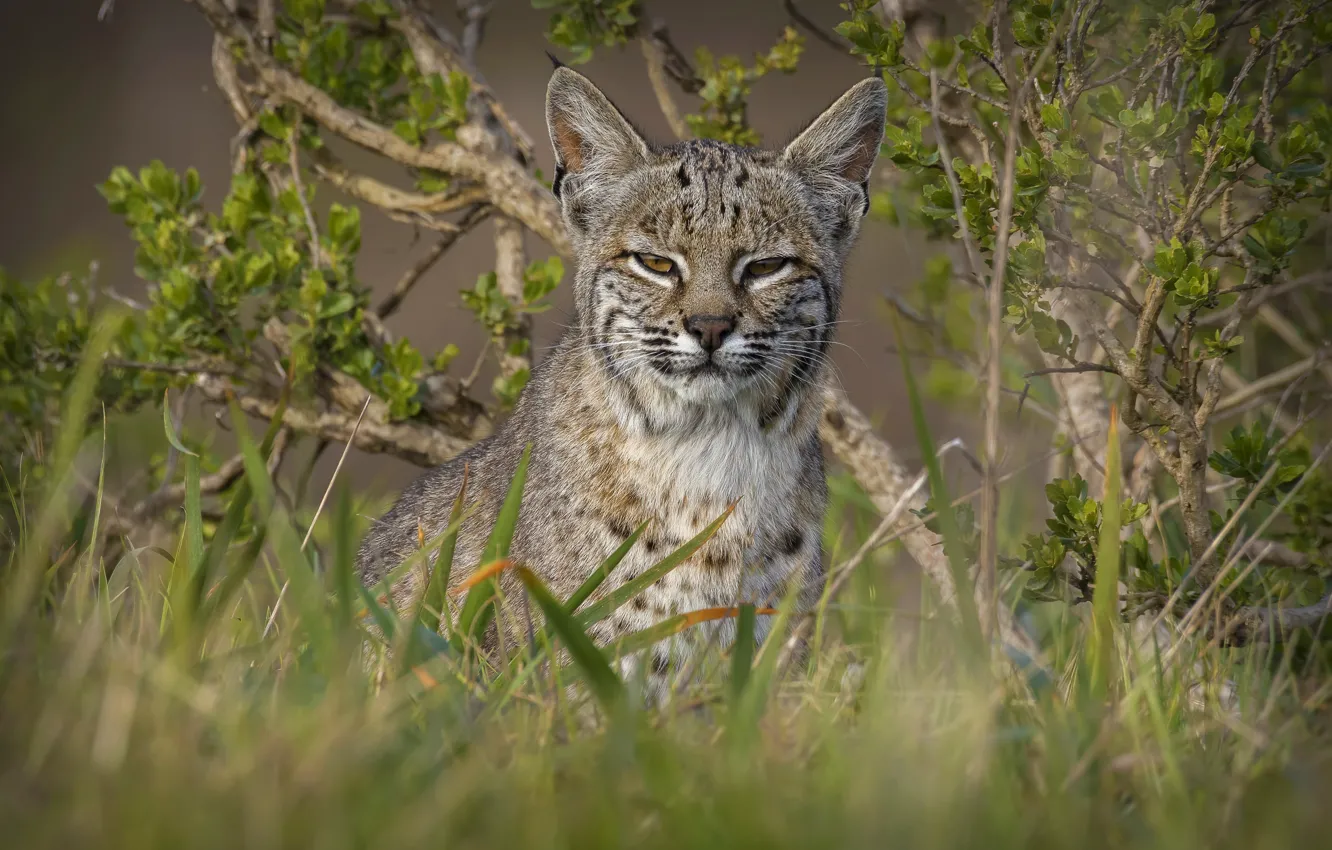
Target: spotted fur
(630, 418)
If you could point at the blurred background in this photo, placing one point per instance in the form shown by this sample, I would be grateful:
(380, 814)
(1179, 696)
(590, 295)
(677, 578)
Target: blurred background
(82, 95)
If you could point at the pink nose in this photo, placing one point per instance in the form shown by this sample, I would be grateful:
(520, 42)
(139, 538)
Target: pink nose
(710, 331)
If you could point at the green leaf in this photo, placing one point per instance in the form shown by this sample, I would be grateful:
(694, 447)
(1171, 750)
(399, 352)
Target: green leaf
(1262, 154)
(170, 428)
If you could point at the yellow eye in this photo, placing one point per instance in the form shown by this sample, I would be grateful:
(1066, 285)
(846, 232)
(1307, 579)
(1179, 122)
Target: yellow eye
(760, 268)
(652, 262)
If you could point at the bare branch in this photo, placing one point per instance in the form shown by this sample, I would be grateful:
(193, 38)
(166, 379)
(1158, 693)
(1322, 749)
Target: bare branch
(170, 496)
(973, 259)
(1079, 368)
(294, 159)
(510, 187)
(654, 54)
(392, 199)
(1270, 382)
(833, 40)
(510, 265)
(1259, 625)
(987, 588)
(421, 444)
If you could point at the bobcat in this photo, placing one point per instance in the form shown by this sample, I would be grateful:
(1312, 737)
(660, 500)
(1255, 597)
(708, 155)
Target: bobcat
(707, 285)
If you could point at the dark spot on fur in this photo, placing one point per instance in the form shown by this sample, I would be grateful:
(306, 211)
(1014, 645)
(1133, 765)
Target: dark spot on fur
(742, 178)
(715, 560)
(638, 604)
(661, 663)
(792, 541)
(619, 527)
(682, 176)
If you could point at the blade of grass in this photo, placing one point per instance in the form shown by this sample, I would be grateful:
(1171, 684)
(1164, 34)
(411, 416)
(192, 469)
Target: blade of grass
(53, 517)
(645, 638)
(963, 592)
(483, 573)
(742, 654)
(231, 523)
(185, 572)
(344, 561)
(605, 685)
(434, 602)
(384, 586)
(305, 587)
(387, 623)
(513, 677)
(1105, 596)
(590, 585)
(477, 610)
(636, 585)
(90, 566)
(751, 700)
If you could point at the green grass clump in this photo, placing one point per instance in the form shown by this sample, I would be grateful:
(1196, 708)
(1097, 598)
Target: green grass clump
(166, 700)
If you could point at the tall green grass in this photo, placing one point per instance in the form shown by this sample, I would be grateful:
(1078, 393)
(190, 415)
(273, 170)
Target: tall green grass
(149, 703)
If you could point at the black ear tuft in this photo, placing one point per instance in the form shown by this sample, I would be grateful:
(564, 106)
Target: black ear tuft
(555, 60)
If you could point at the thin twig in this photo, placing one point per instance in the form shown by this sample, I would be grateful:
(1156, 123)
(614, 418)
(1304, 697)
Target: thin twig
(1269, 382)
(831, 39)
(413, 275)
(316, 253)
(973, 259)
(1079, 368)
(989, 553)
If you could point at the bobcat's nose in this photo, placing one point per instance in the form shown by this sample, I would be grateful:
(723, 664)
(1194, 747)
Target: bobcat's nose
(710, 331)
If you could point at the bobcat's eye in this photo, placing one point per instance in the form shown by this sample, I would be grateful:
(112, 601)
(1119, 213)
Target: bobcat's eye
(654, 263)
(763, 268)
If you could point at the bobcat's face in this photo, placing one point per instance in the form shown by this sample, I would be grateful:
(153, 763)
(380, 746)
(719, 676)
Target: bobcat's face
(708, 276)
(711, 271)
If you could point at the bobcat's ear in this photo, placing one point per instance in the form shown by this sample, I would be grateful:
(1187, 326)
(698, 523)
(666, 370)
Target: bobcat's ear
(589, 135)
(844, 141)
